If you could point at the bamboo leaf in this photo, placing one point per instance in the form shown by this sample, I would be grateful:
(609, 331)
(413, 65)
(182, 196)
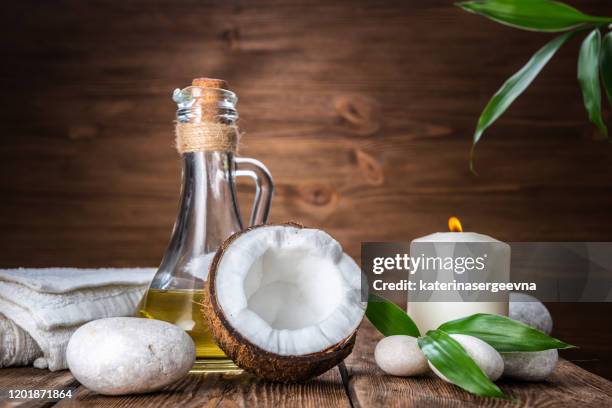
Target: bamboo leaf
(503, 334)
(588, 77)
(388, 318)
(534, 15)
(451, 359)
(515, 86)
(606, 64)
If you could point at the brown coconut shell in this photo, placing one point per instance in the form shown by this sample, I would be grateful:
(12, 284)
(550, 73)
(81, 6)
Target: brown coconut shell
(254, 359)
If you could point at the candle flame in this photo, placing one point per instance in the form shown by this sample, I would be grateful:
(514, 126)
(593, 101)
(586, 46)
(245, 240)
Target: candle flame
(454, 225)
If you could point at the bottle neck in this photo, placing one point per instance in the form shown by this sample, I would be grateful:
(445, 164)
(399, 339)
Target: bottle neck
(200, 105)
(208, 209)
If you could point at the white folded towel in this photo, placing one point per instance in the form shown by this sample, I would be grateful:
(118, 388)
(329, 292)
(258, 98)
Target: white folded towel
(18, 348)
(41, 308)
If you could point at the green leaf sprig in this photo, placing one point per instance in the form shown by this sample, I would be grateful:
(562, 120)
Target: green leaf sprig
(389, 318)
(451, 359)
(533, 15)
(503, 334)
(595, 58)
(447, 355)
(514, 87)
(588, 77)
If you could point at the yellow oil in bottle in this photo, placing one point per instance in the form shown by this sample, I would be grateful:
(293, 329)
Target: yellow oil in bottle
(182, 308)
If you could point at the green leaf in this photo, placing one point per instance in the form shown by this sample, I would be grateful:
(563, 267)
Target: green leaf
(451, 359)
(515, 86)
(503, 334)
(534, 15)
(389, 318)
(606, 64)
(588, 77)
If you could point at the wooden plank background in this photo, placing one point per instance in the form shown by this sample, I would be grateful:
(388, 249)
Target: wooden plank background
(362, 110)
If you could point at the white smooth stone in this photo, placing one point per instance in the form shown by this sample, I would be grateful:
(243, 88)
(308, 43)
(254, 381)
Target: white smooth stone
(129, 355)
(530, 366)
(400, 356)
(529, 310)
(485, 356)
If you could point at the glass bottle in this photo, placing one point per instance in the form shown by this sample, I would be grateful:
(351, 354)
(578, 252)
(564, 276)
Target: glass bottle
(208, 214)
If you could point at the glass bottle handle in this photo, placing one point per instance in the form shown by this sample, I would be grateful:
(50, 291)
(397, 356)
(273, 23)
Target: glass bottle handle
(264, 187)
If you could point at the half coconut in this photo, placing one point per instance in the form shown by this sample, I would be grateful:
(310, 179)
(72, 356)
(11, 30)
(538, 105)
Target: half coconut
(283, 301)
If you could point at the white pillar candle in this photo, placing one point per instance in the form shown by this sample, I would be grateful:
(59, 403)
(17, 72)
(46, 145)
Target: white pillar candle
(431, 314)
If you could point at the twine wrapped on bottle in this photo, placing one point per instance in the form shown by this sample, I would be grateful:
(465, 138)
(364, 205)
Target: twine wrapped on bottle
(206, 137)
(207, 133)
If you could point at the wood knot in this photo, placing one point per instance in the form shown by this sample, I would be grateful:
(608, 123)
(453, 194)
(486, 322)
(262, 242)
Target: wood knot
(370, 168)
(312, 203)
(231, 36)
(361, 115)
(318, 194)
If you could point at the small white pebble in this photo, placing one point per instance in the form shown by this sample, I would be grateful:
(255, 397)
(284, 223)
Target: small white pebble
(529, 310)
(400, 356)
(530, 366)
(485, 356)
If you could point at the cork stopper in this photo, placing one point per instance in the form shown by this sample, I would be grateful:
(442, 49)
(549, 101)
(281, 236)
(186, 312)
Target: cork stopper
(209, 83)
(208, 95)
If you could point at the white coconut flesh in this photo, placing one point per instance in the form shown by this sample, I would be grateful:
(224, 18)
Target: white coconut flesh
(288, 290)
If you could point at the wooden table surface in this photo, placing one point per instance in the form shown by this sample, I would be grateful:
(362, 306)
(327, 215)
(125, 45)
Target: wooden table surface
(358, 384)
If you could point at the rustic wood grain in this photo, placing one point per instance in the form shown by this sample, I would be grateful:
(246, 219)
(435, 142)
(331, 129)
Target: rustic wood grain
(29, 378)
(363, 111)
(364, 385)
(368, 386)
(195, 390)
(226, 390)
